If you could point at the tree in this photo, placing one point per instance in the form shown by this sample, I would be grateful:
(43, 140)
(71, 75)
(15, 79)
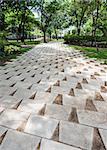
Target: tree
(78, 10)
(19, 27)
(55, 24)
(102, 18)
(22, 12)
(46, 11)
(4, 5)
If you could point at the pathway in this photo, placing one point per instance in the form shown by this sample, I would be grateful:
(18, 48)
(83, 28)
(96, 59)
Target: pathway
(53, 98)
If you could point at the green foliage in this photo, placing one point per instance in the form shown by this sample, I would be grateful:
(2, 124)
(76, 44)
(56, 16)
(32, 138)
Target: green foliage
(3, 42)
(18, 44)
(48, 12)
(2, 39)
(8, 57)
(74, 32)
(89, 17)
(83, 39)
(11, 49)
(91, 52)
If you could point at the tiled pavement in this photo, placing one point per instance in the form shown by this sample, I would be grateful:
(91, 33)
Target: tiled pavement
(53, 98)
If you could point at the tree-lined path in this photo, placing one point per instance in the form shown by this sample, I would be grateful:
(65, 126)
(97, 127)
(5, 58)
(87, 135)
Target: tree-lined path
(53, 98)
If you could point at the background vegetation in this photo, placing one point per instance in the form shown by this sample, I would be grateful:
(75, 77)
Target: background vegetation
(83, 22)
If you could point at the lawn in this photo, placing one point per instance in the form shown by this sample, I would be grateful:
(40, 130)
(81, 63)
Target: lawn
(92, 52)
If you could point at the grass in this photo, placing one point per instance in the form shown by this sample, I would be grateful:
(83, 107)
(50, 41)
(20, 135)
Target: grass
(92, 52)
(23, 50)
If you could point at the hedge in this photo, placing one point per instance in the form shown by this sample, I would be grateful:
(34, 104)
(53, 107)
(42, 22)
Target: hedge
(83, 40)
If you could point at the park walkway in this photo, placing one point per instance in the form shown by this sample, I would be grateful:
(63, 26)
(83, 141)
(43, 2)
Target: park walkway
(53, 98)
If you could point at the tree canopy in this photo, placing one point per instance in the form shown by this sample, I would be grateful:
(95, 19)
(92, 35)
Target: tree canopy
(84, 17)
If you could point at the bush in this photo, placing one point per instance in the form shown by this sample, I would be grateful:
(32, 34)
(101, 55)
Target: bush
(11, 49)
(2, 41)
(82, 40)
(74, 32)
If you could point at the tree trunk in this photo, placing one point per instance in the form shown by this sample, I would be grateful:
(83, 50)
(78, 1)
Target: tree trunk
(17, 35)
(29, 36)
(93, 30)
(79, 23)
(50, 36)
(22, 37)
(96, 24)
(23, 21)
(17, 39)
(44, 36)
(56, 35)
(78, 31)
(2, 28)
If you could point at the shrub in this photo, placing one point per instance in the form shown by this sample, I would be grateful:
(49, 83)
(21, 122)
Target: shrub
(75, 39)
(73, 31)
(11, 49)
(2, 41)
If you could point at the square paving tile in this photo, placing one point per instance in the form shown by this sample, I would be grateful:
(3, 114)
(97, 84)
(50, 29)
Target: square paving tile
(76, 135)
(15, 140)
(41, 126)
(103, 134)
(101, 106)
(2, 130)
(24, 85)
(30, 106)
(58, 111)
(12, 118)
(61, 90)
(74, 101)
(1, 109)
(52, 145)
(9, 101)
(23, 93)
(44, 97)
(6, 90)
(91, 118)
